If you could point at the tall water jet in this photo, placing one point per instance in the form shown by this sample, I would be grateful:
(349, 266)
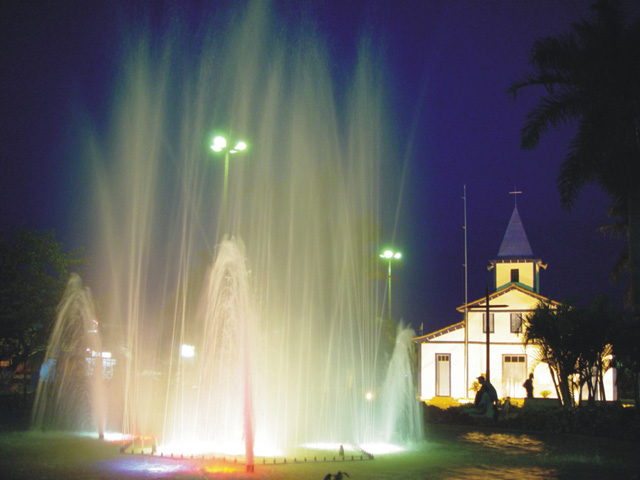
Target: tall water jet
(71, 393)
(401, 413)
(215, 382)
(285, 313)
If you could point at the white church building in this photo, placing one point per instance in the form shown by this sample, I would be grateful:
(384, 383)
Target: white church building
(450, 359)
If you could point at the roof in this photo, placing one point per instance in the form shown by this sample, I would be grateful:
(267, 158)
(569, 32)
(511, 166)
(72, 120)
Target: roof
(442, 331)
(515, 242)
(481, 301)
(502, 291)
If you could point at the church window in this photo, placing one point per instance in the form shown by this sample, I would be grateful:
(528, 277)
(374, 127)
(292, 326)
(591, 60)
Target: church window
(514, 358)
(515, 275)
(484, 323)
(516, 323)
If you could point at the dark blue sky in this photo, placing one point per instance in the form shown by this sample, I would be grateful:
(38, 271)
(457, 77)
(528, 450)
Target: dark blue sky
(449, 64)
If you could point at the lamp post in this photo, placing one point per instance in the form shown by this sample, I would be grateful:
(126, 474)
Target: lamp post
(219, 145)
(390, 255)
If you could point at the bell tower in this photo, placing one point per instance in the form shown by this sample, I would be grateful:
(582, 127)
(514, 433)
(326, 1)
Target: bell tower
(515, 262)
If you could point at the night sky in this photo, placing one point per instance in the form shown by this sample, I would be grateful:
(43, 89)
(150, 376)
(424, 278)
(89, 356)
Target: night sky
(449, 64)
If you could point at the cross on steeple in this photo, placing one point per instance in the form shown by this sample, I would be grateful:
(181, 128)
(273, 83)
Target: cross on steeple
(515, 194)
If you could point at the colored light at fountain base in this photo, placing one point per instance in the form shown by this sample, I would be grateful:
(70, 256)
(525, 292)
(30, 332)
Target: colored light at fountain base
(140, 465)
(372, 448)
(115, 437)
(381, 448)
(330, 446)
(225, 468)
(200, 448)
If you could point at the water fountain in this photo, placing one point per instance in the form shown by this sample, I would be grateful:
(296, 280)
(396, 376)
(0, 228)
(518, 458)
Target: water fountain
(278, 305)
(71, 394)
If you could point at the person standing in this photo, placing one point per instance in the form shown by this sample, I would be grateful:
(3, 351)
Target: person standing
(528, 386)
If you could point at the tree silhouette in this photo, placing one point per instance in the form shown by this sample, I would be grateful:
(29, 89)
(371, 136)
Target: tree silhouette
(591, 77)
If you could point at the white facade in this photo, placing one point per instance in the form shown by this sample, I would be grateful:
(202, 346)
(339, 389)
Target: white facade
(444, 353)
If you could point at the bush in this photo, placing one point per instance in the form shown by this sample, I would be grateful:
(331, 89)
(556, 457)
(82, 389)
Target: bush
(610, 420)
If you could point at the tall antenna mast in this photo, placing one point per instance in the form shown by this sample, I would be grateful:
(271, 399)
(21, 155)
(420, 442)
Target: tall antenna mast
(466, 301)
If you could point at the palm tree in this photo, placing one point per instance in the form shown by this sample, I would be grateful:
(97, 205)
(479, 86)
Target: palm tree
(576, 343)
(626, 348)
(594, 334)
(619, 229)
(591, 77)
(553, 330)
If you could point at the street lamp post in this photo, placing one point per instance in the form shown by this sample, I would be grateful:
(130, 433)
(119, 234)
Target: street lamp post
(390, 255)
(220, 145)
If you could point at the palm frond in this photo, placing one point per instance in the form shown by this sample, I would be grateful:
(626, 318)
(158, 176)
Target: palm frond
(552, 111)
(555, 54)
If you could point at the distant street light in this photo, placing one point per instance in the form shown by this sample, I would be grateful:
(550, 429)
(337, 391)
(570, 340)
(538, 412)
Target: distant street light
(390, 255)
(187, 351)
(219, 145)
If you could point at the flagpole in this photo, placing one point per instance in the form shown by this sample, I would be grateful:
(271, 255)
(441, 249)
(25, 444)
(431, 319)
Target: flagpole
(466, 301)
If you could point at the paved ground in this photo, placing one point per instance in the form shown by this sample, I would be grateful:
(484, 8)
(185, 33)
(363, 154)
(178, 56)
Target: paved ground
(447, 453)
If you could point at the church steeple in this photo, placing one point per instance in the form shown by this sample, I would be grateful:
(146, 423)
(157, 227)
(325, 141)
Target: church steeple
(515, 263)
(515, 242)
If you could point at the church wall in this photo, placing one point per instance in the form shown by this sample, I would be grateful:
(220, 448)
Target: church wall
(542, 381)
(429, 352)
(501, 329)
(427, 372)
(505, 384)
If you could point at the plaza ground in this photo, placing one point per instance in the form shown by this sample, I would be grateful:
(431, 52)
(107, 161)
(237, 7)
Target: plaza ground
(446, 453)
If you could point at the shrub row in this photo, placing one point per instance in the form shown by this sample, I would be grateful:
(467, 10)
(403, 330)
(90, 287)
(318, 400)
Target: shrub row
(612, 420)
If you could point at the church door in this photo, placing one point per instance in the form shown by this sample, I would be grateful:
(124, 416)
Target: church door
(443, 375)
(514, 373)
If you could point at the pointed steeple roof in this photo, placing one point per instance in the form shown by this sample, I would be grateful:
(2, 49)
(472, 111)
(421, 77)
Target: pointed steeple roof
(515, 242)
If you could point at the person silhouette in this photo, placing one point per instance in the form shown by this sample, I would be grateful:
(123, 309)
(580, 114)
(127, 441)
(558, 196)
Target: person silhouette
(528, 386)
(490, 391)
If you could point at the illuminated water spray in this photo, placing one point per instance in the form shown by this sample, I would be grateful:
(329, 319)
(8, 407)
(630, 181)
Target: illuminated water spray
(71, 394)
(260, 332)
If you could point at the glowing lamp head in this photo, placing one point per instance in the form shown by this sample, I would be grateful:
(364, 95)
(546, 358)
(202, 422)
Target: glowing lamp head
(240, 146)
(389, 254)
(368, 396)
(219, 143)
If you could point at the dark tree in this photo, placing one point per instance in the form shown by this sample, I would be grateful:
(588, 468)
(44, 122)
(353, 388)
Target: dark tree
(34, 270)
(626, 349)
(591, 79)
(553, 330)
(594, 334)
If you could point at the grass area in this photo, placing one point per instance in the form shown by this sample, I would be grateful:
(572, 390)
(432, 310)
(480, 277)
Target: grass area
(447, 452)
(529, 444)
